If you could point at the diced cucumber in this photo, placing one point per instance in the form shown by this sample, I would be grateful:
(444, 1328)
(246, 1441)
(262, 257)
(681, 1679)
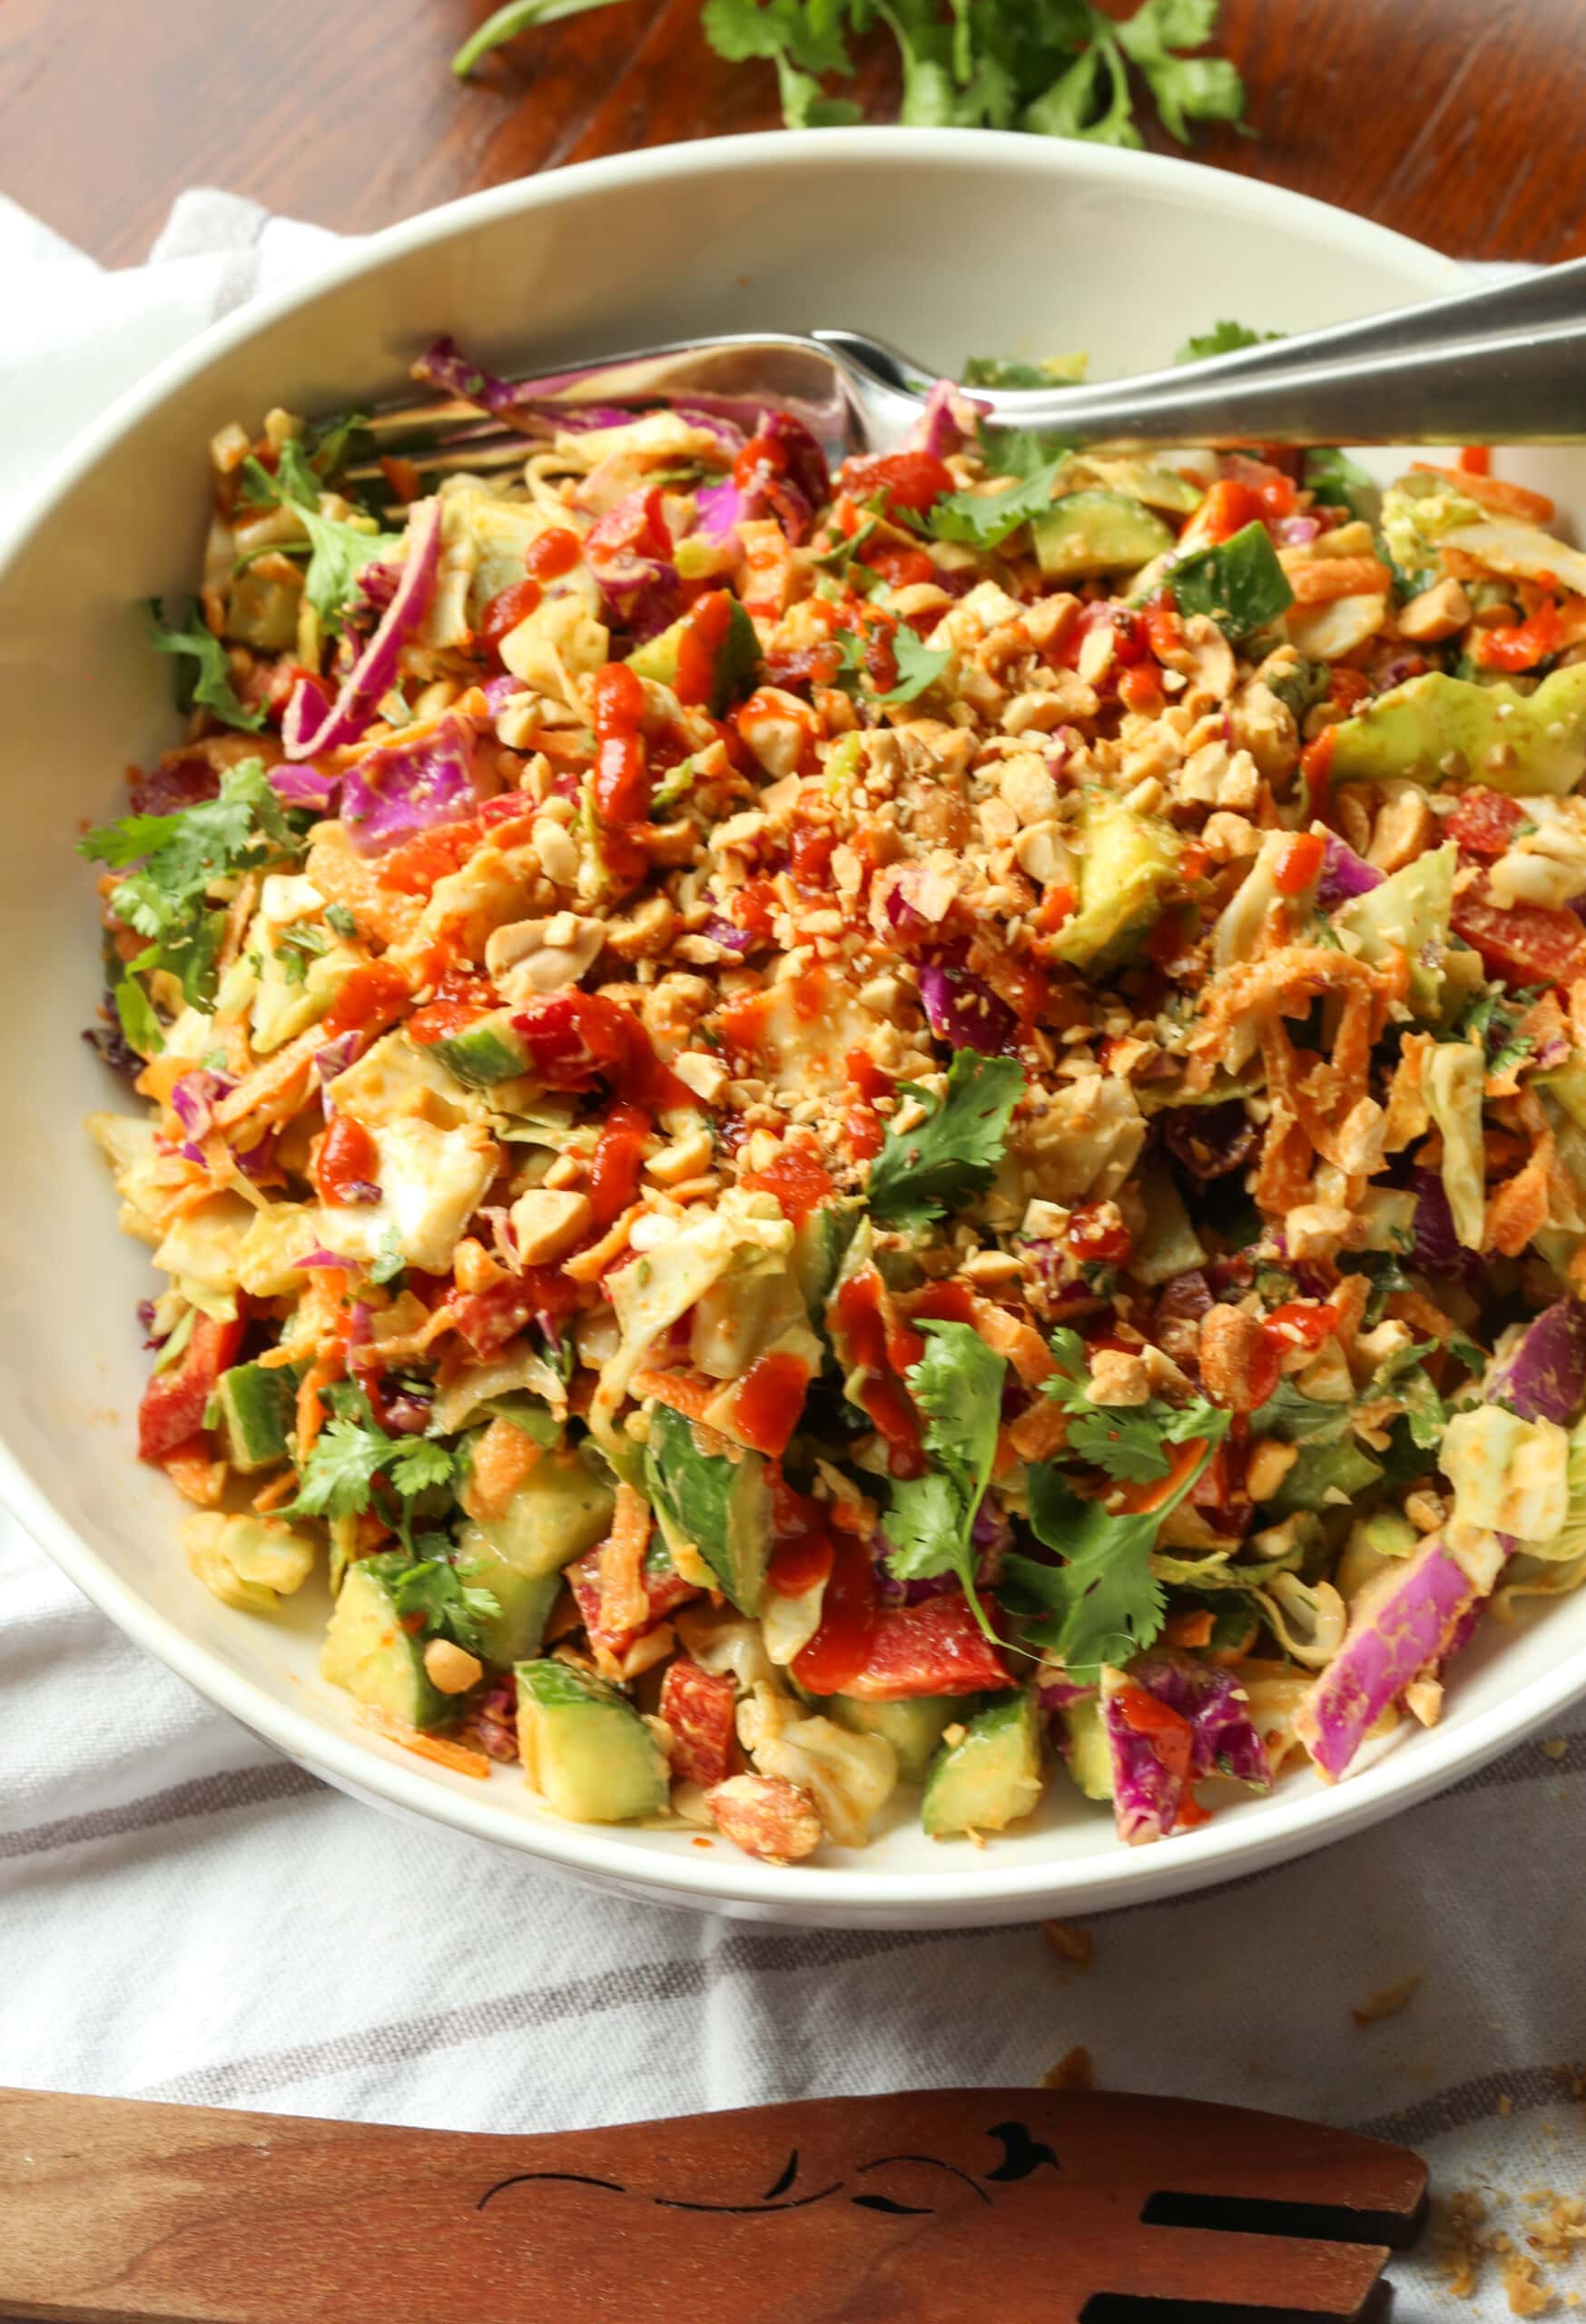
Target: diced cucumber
(368, 1652)
(1088, 1754)
(562, 1507)
(485, 1053)
(913, 1727)
(718, 1502)
(992, 1776)
(585, 1748)
(819, 1247)
(733, 663)
(516, 1632)
(256, 1410)
(1097, 532)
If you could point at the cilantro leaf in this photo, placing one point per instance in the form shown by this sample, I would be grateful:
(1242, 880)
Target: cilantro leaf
(434, 1587)
(1125, 1441)
(1492, 1021)
(388, 1266)
(1091, 100)
(983, 519)
(921, 1174)
(1338, 481)
(170, 863)
(1222, 338)
(1186, 88)
(1405, 1376)
(918, 666)
(1103, 1603)
(354, 1465)
(929, 1527)
(338, 550)
(1011, 371)
(338, 917)
(210, 688)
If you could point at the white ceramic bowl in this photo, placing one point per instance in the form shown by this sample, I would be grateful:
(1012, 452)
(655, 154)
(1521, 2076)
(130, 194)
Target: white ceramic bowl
(950, 244)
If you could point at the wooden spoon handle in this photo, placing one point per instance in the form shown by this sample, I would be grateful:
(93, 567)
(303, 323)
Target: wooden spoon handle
(941, 2207)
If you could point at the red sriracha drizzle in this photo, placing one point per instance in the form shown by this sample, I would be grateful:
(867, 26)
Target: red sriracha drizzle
(868, 1347)
(575, 1038)
(798, 1179)
(622, 775)
(616, 1162)
(698, 646)
(769, 1400)
(849, 1615)
(554, 553)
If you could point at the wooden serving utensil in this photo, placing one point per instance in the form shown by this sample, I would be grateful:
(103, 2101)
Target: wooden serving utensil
(937, 2207)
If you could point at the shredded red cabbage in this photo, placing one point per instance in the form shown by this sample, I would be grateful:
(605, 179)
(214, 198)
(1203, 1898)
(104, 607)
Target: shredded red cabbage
(1344, 875)
(311, 723)
(403, 788)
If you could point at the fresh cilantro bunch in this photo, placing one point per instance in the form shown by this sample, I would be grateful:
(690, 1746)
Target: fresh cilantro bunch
(1059, 68)
(1127, 1442)
(338, 550)
(171, 863)
(354, 1465)
(929, 1527)
(921, 1174)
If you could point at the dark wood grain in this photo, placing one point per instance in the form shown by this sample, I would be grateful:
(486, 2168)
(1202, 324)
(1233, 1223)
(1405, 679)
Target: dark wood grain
(937, 2207)
(1455, 121)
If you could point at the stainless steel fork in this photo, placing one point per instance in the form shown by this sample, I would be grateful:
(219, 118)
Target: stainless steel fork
(1491, 366)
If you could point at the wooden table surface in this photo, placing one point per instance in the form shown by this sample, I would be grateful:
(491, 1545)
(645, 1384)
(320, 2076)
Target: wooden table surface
(1455, 121)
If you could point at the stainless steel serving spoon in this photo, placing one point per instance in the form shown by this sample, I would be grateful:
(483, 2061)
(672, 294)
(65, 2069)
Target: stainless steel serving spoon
(1491, 366)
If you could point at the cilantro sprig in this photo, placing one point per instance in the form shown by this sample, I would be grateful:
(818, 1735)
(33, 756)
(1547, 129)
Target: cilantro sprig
(354, 1465)
(1103, 1603)
(171, 863)
(1127, 1442)
(921, 1174)
(339, 550)
(1056, 68)
(929, 1527)
(210, 687)
(436, 1588)
(986, 519)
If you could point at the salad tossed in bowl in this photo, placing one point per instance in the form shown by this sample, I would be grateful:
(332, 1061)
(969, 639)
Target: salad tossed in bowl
(923, 1126)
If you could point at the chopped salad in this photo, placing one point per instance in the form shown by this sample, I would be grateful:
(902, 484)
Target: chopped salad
(812, 1133)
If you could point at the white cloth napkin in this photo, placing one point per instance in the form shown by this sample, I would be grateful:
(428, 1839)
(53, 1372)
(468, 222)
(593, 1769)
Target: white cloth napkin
(184, 1915)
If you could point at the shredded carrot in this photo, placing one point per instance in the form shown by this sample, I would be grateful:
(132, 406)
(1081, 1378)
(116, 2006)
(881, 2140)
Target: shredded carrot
(456, 1756)
(503, 1457)
(196, 1475)
(589, 1266)
(625, 1603)
(279, 1489)
(311, 1412)
(1317, 581)
(1492, 492)
(1039, 1433)
(692, 1393)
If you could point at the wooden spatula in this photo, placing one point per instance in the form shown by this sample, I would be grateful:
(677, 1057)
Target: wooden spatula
(937, 2207)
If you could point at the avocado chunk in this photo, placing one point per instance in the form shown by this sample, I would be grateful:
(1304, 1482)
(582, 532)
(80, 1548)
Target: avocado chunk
(735, 659)
(1436, 728)
(1127, 859)
(1087, 1753)
(485, 1053)
(717, 1502)
(1097, 532)
(562, 1507)
(1408, 913)
(913, 1727)
(1238, 582)
(257, 1407)
(1139, 479)
(367, 1652)
(585, 1748)
(517, 1631)
(992, 1776)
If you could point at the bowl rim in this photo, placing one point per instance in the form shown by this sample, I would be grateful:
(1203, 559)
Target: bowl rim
(977, 1895)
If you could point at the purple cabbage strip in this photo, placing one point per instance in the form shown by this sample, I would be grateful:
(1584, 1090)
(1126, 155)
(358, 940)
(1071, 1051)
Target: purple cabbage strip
(1210, 1140)
(644, 593)
(963, 1010)
(408, 787)
(719, 509)
(950, 420)
(1345, 875)
(1543, 1377)
(319, 1257)
(192, 1101)
(304, 786)
(446, 367)
(1403, 1624)
(1437, 1249)
(312, 724)
(728, 935)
